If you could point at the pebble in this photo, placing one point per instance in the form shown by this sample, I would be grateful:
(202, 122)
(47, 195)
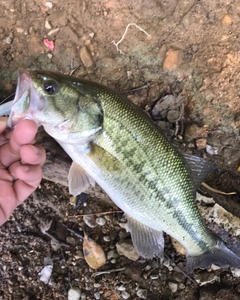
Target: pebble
(211, 150)
(101, 221)
(121, 288)
(112, 254)
(8, 40)
(173, 286)
(90, 221)
(154, 276)
(193, 132)
(141, 293)
(83, 296)
(173, 115)
(106, 238)
(125, 295)
(206, 278)
(74, 293)
(86, 57)
(126, 248)
(235, 272)
(172, 59)
(163, 105)
(226, 20)
(97, 295)
(201, 143)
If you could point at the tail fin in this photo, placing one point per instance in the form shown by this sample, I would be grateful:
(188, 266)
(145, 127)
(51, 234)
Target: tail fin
(219, 255)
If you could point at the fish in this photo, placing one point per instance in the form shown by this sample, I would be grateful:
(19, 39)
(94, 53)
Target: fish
(115, 144)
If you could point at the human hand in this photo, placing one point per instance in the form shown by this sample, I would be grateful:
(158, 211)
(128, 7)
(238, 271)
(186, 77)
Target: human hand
(20, 165)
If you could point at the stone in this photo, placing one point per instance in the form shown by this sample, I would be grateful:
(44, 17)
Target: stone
(86, 57)
(142, 293)
(172, 59)
(101, 221)
(226, 20)
(74, 293)
(201, 143)
(126, 248)
(193, 132)
(173, 286)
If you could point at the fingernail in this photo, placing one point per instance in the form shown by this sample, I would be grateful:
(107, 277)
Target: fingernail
(25, 168)
(35, 149)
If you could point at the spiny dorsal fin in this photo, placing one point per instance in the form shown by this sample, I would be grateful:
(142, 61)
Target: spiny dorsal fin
(147, 241)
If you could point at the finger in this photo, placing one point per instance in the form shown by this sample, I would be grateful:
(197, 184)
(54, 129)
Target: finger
(3, 133)
(28, 173)
(23, 134)
(24, 189)
(33, 155)
(3, 123)
(8, 201)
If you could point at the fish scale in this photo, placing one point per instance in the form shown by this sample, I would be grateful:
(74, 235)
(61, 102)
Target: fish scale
(112, 142)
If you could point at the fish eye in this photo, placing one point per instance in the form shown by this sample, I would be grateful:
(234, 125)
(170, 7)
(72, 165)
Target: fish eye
(51, 87)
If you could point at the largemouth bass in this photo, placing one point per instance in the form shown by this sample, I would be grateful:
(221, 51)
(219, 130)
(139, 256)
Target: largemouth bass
(112, 142)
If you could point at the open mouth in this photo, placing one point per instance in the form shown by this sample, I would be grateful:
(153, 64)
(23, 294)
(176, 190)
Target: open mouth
(21, 100)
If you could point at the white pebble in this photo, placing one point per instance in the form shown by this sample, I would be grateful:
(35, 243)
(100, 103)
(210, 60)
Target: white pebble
(49, 4)
(74, 293)
(101, 221)
(173, 286)
(125, 295)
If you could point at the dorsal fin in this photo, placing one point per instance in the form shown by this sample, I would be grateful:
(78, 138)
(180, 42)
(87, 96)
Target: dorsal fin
(199, 168)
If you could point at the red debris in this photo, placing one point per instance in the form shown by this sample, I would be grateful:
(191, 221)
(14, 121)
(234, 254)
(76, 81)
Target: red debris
(49, 44)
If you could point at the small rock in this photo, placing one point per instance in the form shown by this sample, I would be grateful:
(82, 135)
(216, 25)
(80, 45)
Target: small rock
(201, 143)
(211, 150)
(86, 57)
(121, 288)
(235, 272)
(97, 295)
(172, 60)
(106, 238)
(90, 221)
(173, 115)
(101, 221)
(45, 274)
(127, 249)
(74, 293)
(47, 25)
(173, 286)
(193, 132)
(206, 278)
(154, 276)
(163, 105)
(141, 293)
(112, 254)
(125, 295)
(8, 40)
(226, 20)
(83, 296)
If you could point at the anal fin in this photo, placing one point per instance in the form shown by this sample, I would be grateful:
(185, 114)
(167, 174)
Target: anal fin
(78, 180)
(147, 241)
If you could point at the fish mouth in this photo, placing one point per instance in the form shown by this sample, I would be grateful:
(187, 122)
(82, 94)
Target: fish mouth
(26, 100)
(22, 93)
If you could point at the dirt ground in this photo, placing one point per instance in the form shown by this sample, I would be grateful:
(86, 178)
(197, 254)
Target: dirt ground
(184, 49)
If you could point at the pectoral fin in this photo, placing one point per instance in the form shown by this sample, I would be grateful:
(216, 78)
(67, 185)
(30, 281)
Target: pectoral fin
(78, 180)
(147, 241)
